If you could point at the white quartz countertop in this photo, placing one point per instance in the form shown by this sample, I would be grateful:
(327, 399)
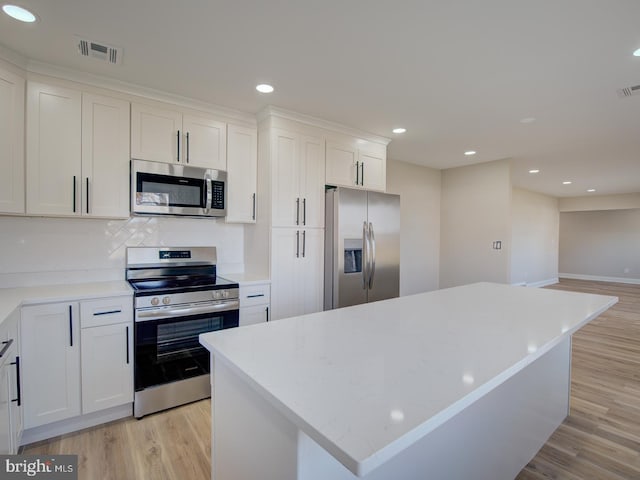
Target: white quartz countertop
(12, 298)
(368, 381)
(246, 279)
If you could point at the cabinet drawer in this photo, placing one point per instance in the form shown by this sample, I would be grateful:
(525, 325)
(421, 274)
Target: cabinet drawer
(106, 311)
(255, 295)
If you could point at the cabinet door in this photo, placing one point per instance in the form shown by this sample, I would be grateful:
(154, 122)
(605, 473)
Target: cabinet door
(5, 403)
(50, 347)
(53, 150)
(341, 165)
(285, 253)
(105, 156)
(156, 133)
(242, 168)
(12, 141)
(255, 314)
(312, 181)
(205, 142)
(373, 170)
(310, 270)
(285, 180)
(107, 366)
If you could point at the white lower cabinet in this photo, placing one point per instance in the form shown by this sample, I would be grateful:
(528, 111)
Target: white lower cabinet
(297, 267)
(106, 346)
(254, 303)
(51, 363)
(69, 370)
(10, 400)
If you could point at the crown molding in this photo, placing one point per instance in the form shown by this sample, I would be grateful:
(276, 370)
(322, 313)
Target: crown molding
(273, 111)
(13, 57)
(146, 93)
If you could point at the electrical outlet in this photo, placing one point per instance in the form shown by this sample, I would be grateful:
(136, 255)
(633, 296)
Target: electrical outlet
(497, 245)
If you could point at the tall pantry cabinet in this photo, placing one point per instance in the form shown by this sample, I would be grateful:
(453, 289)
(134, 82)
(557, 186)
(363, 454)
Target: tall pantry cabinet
(291, 193)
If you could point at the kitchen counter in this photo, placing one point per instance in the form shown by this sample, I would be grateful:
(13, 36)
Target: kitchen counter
(246, 279)
(12, 298)
(381, 389)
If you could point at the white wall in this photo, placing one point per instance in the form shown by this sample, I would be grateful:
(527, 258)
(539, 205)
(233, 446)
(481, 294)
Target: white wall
(599, 202)
(535, 224)
(601, 245)
(37, 251)
(419, 190)
(476, 211)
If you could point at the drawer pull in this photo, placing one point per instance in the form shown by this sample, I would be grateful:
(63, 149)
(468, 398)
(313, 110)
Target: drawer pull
(256, 295)
(109, 312)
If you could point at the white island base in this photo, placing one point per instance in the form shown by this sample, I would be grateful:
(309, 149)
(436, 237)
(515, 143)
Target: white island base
(461, 383)
(492, 439)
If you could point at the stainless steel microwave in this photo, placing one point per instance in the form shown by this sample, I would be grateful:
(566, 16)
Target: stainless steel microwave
(170, 189)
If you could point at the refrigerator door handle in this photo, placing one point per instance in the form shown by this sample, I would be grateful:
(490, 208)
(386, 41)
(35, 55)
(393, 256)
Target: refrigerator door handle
(372, 271)
(365, 255)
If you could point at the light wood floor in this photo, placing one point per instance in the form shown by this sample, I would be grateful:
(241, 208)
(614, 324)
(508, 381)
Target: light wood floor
(599, 440)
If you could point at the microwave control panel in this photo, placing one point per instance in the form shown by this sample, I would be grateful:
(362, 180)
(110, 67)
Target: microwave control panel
(217, 199)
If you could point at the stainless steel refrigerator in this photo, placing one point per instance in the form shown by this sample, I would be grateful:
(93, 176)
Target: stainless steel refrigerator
(362, 247)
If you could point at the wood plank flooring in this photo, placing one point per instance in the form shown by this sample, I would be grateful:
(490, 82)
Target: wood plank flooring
(599, 440)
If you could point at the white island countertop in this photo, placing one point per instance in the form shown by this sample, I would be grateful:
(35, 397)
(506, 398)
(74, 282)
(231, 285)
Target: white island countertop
(367, 382)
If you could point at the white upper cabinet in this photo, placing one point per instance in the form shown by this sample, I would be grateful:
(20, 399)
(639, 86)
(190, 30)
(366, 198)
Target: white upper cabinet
(164, 134)
(205, 143)
(155, 133)
(297, 180)
(53, 149)
(12, 141)
(242, 168)
(77, 153)
(105, 156)
(351, 165)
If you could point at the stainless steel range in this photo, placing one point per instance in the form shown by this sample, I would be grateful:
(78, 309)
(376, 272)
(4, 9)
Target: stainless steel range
(178, 296)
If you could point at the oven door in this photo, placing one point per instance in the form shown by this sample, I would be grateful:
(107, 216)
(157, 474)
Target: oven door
(163, 188)
(166, 341)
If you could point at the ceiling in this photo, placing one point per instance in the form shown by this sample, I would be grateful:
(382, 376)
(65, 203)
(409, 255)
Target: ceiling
(459, 75)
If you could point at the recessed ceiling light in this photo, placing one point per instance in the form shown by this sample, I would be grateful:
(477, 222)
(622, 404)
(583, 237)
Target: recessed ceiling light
(470, 152)
(636, 53)
(591, 190)
(528, 120)
(534, 171)
(399, 130)
(264, 88)
(19, 13)
(566, 182)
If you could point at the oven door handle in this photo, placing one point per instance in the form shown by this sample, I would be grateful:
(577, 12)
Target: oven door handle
(161, 313)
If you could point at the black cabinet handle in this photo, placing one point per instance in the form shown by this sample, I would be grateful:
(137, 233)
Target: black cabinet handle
(298, 211)
(357, 173)
(17, 364)
(178, 149)
(362, 174)
(70, 327)
(297, 243)
(127, 345)
(87, 194)
(187, 147)
(304, 242)
(108, 312)
(74, 194)
(304, 211)
(256, 295)
(6, 344)
(267, 312)
(253, 216)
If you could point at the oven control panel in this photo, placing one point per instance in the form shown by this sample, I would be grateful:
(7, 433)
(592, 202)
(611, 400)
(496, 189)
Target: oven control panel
(174, 299)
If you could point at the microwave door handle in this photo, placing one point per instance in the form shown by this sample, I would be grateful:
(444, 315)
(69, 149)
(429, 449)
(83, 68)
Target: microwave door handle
(209, 201)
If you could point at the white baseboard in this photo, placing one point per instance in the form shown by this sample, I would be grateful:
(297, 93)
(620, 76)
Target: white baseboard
(62, 427)
(541, 283)
(598, 278)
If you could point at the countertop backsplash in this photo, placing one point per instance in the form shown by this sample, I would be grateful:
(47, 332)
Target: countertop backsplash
(40, 251)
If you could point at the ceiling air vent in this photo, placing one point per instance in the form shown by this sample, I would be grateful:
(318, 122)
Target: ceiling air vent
(99, 51)
(629, 91)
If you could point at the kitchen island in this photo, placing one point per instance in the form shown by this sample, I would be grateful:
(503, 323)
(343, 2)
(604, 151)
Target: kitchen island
(466, 382)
